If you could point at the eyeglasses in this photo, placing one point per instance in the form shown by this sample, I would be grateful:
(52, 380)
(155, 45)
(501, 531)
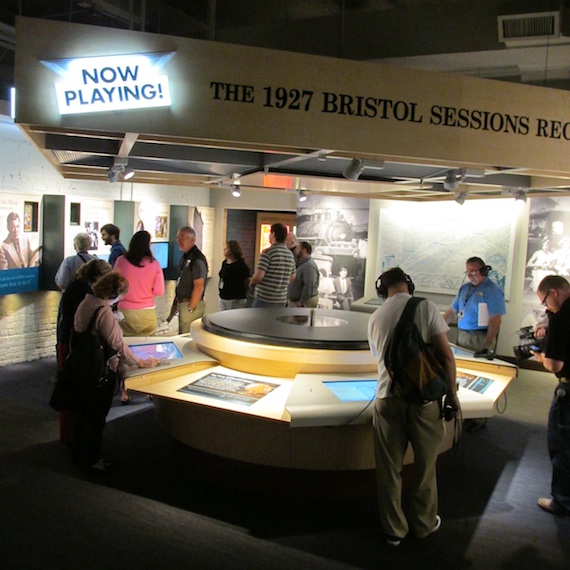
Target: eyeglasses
(543, 302)
(472, 272)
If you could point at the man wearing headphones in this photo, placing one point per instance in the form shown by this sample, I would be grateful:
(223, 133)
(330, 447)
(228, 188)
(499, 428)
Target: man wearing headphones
(479, 306)
(398, 420)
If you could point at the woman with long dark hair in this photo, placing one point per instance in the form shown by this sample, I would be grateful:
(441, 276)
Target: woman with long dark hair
(234, 278)
(146, 281)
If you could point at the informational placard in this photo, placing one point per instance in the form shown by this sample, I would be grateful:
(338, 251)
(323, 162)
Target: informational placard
(264, 222)
(153, 218)
(87, 216)
(201, 219)
(20, 252)
(230, 388)
(431, 242)
(472, 382)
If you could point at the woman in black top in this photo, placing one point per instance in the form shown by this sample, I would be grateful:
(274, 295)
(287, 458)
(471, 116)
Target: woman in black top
(234, 278)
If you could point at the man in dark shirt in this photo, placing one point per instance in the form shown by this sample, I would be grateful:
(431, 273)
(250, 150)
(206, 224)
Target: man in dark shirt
(303, 291)
(191, 282)
(554, 293)
(110, 234)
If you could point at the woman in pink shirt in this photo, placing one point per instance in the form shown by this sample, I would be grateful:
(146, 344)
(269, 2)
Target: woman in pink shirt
(146, 281)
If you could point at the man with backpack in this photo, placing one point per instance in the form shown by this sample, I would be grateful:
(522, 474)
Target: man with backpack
(405, 413)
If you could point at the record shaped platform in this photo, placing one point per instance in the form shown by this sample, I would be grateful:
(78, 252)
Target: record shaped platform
(286, 341)
(292, 327)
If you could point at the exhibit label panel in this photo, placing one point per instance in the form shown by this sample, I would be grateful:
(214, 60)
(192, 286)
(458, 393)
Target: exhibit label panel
(83, 215)
(20, 251)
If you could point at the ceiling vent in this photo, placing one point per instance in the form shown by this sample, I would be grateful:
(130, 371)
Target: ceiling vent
(519, 30)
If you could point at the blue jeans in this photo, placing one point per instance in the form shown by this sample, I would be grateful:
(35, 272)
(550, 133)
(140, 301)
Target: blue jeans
(559, 446)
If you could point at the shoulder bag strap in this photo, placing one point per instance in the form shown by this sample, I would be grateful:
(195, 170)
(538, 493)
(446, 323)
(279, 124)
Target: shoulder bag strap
(93, 318)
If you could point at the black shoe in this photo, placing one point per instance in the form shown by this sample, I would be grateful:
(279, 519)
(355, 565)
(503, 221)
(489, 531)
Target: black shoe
(475, 424)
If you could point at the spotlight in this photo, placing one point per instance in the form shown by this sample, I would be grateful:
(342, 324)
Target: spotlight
(460, 198)
(354, 169)
(520, 195)
(120, 169)
(451, 181)
(302, 196)
(128, 173)
(236, 190)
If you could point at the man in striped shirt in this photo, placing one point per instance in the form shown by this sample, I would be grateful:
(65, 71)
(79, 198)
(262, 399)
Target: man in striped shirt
(275, 269)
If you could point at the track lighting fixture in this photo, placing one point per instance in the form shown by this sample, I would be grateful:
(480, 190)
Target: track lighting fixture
(120, 169)
(112, 174)
(460, 198)
(519, 194)
(452, 180)
(354, 169)
(128, 173)
(236, 190)
(302, 196)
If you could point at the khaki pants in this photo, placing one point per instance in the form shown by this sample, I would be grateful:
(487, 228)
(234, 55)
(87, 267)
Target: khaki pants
(138, 322)
(186, 318)
(474, 341)
(396, 423)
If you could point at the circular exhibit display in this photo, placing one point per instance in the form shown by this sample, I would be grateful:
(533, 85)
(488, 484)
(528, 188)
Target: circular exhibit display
(286, 341)
(286, 344)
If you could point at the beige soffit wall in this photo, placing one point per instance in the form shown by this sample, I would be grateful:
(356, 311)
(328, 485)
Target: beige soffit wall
(364, 109)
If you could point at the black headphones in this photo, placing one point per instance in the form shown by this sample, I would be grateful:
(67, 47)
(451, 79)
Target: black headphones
(483, 267)
(392, 277)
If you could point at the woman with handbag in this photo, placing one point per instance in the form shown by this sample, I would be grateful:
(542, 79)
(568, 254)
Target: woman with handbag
(94, 315)
(85, 276)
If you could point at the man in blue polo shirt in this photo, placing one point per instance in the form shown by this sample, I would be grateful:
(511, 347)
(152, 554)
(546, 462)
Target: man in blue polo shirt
(478, 306)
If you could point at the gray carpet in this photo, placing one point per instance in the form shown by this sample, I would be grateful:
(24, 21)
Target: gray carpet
(169, 506)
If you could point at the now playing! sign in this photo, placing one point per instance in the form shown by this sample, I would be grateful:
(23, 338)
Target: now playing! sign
(111, 83)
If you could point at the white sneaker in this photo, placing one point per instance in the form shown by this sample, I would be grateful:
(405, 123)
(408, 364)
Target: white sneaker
(393, 540)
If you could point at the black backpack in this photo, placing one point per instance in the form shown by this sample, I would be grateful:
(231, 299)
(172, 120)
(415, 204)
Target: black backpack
(88, 356)
(86, 365)
(417, 371)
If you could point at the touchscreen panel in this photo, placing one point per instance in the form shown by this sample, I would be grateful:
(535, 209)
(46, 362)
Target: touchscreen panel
(353, 390)
(159, 350)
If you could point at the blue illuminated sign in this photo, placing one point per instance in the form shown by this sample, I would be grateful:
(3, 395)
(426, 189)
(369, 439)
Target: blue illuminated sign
(111, 83)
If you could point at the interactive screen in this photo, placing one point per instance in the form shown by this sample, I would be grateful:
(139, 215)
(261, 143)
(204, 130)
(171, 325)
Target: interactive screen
(461, 351)
(160, 251)
(353, 390)
(159, 350)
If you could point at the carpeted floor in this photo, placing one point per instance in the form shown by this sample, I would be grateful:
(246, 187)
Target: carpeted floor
(167, 506)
